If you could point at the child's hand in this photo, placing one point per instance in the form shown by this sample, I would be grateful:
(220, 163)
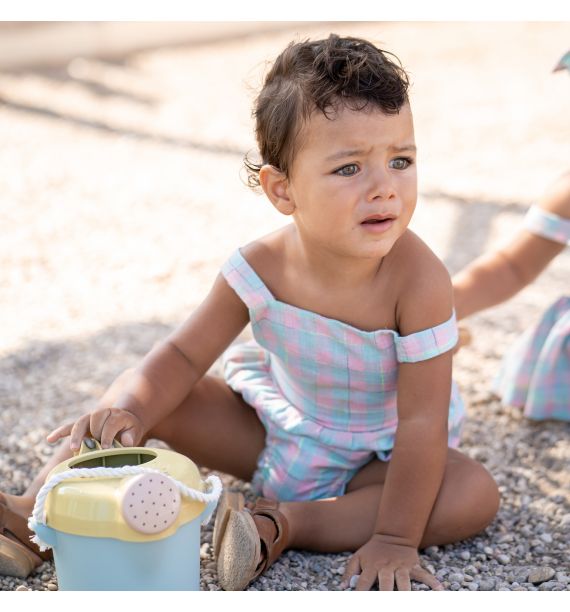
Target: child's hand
(390, 564)
(464, 338)
(104, 424)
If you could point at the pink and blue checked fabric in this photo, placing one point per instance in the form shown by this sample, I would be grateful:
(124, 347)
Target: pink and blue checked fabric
(324, 390)
(548, 225)
(535, 374)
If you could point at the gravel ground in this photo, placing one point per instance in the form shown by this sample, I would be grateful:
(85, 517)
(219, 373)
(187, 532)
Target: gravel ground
(121, 197)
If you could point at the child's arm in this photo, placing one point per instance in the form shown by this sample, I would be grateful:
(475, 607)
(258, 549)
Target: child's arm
(495, 277)
(419, 456)
(167, 374)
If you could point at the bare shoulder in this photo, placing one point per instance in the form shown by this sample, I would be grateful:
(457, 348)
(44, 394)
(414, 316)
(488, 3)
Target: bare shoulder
(556, 199)
(425, 294)
(266, 255)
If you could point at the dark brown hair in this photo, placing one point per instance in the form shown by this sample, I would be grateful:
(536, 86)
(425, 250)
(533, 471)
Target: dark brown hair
(321, 75)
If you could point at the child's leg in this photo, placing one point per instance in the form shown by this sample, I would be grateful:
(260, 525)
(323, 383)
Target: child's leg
(213, 426)
(467, 502)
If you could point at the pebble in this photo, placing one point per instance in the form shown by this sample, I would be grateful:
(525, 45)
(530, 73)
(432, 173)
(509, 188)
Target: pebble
(22, 587)
(456, 577)
(205, 551)
(465, 555)
(504, 559)
(546, 537)
(540, 574)
(486, 585)
(51, 586)
(551, 585)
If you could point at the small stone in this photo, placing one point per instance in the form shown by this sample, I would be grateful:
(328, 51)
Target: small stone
(454, 586)
(546, 537)
(562, 577)
(204, 551)
(488, 551)
(504, 559)
(51, 586)
(550, 585)
(565, 520)
(465, 555)
(456, 577)
(473, 586)
(486, 585)
(433, 551)
(505, 539)
(22, 587)
(540, 574)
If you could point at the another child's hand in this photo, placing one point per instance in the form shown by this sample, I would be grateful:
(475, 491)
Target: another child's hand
(389, 564)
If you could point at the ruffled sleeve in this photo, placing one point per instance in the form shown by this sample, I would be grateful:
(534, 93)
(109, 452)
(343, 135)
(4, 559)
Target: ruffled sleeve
(427, 343)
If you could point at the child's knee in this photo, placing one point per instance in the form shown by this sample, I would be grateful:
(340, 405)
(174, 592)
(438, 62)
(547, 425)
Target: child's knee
(479, 497)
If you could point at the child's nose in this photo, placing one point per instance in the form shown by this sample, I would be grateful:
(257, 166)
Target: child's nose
(381, 185)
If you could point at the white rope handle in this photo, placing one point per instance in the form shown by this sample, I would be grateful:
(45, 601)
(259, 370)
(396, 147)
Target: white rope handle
(213, 483)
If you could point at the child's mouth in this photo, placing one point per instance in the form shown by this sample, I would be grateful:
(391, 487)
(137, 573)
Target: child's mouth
(377, 223)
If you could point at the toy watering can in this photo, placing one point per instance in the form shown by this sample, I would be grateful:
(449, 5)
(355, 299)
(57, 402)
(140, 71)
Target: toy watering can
(124, 519)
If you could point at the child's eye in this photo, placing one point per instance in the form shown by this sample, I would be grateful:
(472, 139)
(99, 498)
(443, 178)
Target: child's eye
(348, 170)
(401, 163)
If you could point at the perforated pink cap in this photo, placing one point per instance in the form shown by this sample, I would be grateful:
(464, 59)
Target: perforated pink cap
(151, 503)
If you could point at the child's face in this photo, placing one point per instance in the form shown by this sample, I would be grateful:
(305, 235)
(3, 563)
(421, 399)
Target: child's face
(353, 182)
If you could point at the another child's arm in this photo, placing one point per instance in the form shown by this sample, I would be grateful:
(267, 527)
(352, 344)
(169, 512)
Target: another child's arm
(166, 375)
(419, 456)
(495, 277)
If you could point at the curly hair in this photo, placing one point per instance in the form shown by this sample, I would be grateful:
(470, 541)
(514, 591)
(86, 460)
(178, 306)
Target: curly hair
(322, 75)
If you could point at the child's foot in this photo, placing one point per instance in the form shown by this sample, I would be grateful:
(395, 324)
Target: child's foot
(247, 541)
(18, 556)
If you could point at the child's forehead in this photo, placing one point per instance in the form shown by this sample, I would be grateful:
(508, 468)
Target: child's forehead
(345, 126)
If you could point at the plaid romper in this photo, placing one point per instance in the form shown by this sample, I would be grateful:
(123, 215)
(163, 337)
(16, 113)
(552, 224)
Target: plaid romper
(535, 373)
(324, 390)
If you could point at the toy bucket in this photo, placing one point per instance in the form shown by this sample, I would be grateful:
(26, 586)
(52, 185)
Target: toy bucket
(125, 519)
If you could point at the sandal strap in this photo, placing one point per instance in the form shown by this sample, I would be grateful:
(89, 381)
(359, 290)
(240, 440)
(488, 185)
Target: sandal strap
(268, 519)
(15, 526)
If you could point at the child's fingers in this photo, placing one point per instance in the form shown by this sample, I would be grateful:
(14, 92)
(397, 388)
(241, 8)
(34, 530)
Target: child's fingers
(366, 580)
(421, 575)
(97, 421)
(403, 579)
(352, 569)
(128, 437)
(386, 579)
(116, 421)
(79, 431)
(60, 432)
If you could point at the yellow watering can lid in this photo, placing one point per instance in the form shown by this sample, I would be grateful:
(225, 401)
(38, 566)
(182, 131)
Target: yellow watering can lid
(131, 493)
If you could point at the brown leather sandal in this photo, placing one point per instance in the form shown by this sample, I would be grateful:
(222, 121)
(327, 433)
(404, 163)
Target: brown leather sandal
(247, 541)
(18, 555)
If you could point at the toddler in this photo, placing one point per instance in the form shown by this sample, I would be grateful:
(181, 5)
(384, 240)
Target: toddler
(341, 412)
(535, 374)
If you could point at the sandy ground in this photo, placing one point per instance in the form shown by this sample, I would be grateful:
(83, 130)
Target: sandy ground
(122, 194)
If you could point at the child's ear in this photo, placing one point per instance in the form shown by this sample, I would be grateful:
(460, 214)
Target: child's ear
(276, 187)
